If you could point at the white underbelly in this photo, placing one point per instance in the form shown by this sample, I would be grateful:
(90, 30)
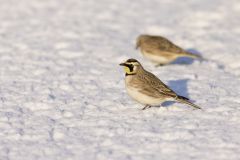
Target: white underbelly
(157, 58)
(142, 98)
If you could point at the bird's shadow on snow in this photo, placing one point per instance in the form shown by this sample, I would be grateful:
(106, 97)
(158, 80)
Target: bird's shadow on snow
(178, 86)
(187, 60)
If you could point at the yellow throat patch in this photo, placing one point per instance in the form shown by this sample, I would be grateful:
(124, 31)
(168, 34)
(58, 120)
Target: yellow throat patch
(127, 70)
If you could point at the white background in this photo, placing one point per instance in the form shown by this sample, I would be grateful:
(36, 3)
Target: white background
(62, 92)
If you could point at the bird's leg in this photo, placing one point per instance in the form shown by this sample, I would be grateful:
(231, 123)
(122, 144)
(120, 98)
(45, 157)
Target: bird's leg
(160, 65)
(147, 106)
(144, 107)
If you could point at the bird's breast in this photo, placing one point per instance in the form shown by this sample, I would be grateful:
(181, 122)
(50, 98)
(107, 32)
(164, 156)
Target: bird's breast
(156, 58)
(136, 94)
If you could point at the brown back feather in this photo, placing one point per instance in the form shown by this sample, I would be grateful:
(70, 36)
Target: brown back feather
(158, 43)
(153, 84)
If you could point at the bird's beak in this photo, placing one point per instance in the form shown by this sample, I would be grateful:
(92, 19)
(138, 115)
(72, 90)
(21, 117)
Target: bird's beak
(122, 64)
(136, 46)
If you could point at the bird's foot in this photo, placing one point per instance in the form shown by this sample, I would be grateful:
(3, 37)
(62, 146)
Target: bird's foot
(146, 107)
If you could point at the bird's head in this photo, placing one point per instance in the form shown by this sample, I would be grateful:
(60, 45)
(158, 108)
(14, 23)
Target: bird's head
(140, 40)
(131, 66)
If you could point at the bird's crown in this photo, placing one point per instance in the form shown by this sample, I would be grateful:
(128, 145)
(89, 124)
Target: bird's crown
(131, 66)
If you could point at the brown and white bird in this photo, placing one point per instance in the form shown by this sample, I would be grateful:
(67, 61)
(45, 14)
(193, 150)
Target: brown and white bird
(161, 50)
(146, 88)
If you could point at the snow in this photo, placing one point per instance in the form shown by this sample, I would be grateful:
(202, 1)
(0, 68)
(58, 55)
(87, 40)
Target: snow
(62, 93)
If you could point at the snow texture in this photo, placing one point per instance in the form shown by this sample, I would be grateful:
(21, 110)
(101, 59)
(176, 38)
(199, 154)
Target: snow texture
(62, 93)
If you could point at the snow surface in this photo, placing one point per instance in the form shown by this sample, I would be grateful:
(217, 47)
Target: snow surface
(62, 92)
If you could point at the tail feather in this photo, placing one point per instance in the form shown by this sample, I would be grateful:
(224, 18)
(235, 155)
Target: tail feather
(185, 100)
(188, 54)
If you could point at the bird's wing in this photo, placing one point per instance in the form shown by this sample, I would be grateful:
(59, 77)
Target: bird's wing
(156, 85)
(164, 44)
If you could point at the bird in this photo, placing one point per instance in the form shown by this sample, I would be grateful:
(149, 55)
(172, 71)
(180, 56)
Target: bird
(160, 50)
(146, 88)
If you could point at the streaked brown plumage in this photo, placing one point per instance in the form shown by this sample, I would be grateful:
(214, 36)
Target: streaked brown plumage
(146, 88)
(161, 50)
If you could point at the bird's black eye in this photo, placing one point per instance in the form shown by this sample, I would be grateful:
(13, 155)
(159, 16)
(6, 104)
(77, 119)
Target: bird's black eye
(131, 67)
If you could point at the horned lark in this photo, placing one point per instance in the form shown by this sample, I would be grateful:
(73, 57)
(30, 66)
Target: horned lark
(160, 50)
(146, 88)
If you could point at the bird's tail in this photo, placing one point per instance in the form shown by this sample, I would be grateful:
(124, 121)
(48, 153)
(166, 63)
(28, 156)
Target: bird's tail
(185, 100)
(191, 55)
